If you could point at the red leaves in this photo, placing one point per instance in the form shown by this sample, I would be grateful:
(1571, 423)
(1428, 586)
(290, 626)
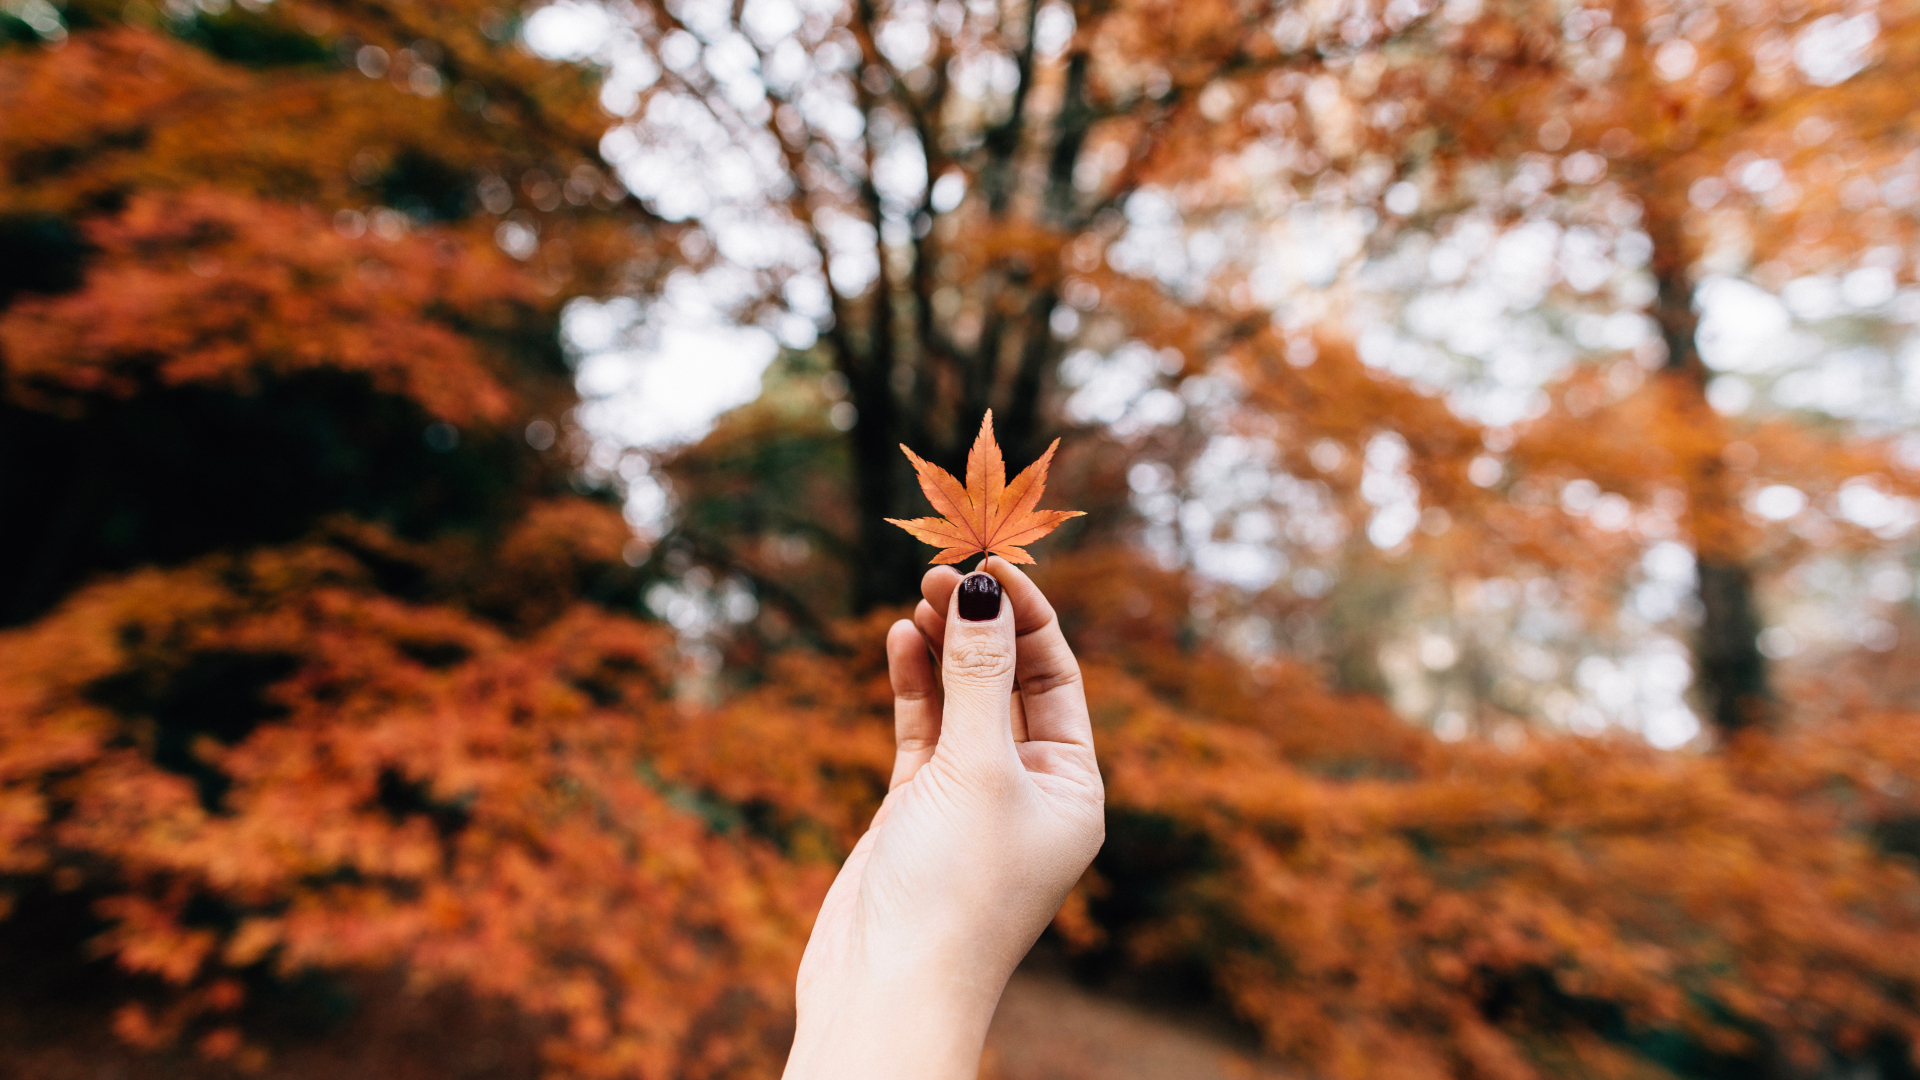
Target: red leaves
(988, 515)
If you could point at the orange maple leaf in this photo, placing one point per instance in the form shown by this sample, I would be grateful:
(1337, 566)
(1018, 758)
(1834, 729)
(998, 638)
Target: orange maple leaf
(989, 515)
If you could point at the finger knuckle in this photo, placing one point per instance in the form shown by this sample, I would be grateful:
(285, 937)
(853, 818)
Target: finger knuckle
(1050, 681)
(978, 660)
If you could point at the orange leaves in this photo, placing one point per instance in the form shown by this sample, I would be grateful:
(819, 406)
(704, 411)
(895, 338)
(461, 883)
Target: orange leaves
(1371, 899)
(471, 777)
(213, 289)
(422, 791)
(163, 115)
(1380, 921)
(988, 515)
(530, 817)
(425, 757)
(551, 553)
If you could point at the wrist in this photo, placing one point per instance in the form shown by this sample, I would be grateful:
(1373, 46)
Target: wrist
(908, 1021)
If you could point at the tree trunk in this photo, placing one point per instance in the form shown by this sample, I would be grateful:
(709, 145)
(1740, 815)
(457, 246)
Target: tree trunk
(889, 561)
(1730, 671)
(1733, 673)
(1008, 368)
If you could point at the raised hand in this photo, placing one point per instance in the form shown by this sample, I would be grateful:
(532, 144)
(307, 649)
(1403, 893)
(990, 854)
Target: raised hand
(995, 808)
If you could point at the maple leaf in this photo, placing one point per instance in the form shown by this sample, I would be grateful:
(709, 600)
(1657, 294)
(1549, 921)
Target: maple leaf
(988, 516)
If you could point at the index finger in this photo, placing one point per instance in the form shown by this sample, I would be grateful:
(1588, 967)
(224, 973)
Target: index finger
(1044, 664)
(916, 702)
(936, 588)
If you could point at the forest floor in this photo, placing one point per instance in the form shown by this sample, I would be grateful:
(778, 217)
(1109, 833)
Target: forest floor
(1050, 1028)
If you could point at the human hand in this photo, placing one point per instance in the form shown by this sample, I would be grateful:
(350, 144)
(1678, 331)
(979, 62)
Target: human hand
(994, 810)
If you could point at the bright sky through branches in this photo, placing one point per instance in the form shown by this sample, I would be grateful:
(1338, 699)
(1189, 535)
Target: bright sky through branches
(1488, 312)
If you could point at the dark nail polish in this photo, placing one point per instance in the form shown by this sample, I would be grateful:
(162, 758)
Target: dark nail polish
(979, 598)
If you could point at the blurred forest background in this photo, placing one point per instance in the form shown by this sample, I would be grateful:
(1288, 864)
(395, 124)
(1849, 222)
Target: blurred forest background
(443, 448)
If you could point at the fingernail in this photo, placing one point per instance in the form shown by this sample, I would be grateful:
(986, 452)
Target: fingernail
(979, 597)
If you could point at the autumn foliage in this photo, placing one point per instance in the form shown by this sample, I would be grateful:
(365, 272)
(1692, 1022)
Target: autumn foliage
(329, 689)
(205, 289)
(350, 748)
(423, 790)
(986, 515)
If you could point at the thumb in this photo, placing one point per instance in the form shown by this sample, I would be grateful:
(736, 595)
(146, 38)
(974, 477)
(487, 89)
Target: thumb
(976, 668)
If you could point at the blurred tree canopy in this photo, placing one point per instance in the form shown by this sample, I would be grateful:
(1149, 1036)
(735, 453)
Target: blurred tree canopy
(1392, 347)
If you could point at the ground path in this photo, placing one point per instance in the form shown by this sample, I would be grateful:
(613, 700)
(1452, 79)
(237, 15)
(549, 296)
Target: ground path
(1048, 1028)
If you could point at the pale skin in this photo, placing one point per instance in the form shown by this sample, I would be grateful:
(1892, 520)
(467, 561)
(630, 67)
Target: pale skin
(994, 810)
